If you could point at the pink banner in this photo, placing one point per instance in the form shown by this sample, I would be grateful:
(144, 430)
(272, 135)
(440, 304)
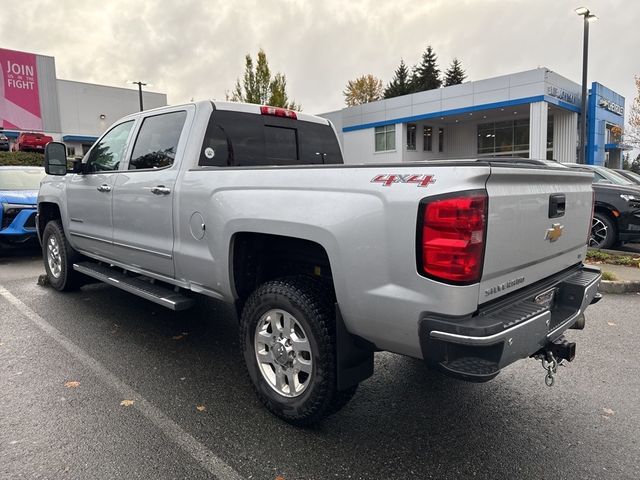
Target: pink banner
(19, 95)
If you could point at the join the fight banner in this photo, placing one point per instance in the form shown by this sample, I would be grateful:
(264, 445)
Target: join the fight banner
(19, 95)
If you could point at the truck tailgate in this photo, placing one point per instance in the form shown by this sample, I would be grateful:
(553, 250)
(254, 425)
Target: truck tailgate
(529, 236)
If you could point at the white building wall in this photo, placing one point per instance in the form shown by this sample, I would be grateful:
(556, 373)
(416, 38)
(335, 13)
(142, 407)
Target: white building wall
(459, 142)
(81, 105)
(565, 136)
(538, 116)
(359, 147)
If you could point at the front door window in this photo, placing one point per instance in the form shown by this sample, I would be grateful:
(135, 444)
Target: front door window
(107, 154)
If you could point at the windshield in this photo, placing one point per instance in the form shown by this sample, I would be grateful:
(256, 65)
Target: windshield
(21, 179)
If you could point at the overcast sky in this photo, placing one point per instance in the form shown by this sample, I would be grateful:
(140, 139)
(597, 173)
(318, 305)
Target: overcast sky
(196, 48)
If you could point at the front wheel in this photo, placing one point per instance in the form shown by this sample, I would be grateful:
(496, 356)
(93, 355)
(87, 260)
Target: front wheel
(59, 258)
(288, 340)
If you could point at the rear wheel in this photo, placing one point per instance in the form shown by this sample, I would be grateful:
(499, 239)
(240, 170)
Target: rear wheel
(603, 231)
(59, 258)
(288, 340)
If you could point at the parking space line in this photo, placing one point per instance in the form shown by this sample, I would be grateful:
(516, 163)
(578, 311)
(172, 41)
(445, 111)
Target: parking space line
(201, 454)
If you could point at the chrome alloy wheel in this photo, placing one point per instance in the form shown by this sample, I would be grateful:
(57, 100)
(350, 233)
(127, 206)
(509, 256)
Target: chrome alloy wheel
(283, 353)
(53, 256)
(599, 233)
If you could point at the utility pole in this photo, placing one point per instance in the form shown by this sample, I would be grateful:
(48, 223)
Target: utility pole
(140, 85)
(587, 18)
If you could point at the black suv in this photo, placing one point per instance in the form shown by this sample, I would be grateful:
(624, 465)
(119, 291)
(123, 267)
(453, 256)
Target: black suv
(616, 217)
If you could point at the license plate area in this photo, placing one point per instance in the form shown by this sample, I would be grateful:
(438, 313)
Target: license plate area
(546, 299)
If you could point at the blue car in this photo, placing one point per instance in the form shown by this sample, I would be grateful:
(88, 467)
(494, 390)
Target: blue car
(18, 204)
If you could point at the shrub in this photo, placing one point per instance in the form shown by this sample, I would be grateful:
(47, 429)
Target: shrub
(22, 158)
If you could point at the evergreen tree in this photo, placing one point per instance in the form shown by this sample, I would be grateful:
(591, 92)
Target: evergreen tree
(260, 87)
(426, 75)
(401, 83)
(454, 75)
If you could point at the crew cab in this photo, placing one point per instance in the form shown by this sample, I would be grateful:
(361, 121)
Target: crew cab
(469, 265)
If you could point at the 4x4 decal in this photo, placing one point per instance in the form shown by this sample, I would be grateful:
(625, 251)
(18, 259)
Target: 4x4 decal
(387, 179)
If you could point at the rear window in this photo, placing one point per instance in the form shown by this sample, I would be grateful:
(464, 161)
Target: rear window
(246, 139)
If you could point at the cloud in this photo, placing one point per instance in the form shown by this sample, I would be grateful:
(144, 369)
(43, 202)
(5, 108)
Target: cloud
(195, 49)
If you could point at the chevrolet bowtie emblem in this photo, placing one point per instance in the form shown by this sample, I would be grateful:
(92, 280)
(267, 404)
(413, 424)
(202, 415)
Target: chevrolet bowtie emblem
(554, 233)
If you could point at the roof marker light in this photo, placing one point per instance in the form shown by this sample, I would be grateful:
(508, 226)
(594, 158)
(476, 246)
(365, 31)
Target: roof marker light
(278, 112)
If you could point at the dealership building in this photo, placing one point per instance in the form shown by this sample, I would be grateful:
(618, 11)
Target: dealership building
(527, 114)
(33, 99)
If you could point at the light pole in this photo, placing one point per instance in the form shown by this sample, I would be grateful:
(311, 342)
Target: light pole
(140, 85)
(587, 18)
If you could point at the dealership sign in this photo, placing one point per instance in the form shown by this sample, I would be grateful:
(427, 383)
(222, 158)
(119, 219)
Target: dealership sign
(611, 106)
(19, 95)
(563, 95)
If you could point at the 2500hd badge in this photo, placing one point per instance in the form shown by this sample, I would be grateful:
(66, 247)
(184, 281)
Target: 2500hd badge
(503, 286)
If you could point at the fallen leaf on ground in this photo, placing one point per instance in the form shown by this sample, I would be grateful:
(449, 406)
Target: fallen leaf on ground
(611, 324)
(177, 337)
(608, 411)
(127, 403)
(201, 408)
(72, 384)
(279, 477)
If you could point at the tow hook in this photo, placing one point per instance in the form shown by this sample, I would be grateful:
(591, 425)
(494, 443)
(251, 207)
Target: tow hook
(553, 355)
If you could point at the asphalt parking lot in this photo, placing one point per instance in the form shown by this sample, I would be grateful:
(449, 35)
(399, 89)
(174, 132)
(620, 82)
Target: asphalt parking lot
(100, 384)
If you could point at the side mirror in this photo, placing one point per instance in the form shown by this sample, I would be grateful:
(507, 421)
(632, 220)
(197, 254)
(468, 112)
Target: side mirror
(55, 158)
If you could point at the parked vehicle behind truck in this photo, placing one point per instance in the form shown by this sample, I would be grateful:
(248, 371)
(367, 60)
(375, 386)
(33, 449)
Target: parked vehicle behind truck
(32, 141)
(469, 265)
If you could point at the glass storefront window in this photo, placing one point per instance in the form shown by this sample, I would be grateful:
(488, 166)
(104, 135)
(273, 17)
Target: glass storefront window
(509, 138)
(411, 136)
(427, 145)
(385, 138)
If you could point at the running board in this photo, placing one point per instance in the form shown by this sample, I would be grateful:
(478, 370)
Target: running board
(156, 293)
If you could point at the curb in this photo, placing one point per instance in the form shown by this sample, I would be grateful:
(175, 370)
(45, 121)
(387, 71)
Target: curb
(611, 286)
(623, 253)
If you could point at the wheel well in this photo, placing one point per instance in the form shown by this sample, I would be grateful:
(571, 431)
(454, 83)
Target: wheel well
(46, 212)
(606, 211)
(260, 257)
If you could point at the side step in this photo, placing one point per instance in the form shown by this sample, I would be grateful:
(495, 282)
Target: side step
(161, 295)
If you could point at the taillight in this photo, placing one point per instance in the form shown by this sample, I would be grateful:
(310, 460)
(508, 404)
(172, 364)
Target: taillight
(278, 112)
(452, 237)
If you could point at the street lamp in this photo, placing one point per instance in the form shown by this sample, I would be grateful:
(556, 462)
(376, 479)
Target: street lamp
(587, 18)
(140, 85)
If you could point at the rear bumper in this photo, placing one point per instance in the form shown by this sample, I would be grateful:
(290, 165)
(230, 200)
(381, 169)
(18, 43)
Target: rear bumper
(477, 347)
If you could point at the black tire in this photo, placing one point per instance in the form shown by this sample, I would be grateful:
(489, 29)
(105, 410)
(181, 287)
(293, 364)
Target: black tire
(311, 303)
(67, 279)
(603, 231)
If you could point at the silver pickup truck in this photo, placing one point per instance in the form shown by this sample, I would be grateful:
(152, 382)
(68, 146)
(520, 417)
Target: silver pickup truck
(469, 265)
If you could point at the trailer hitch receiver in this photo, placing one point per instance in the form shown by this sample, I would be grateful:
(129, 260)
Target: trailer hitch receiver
(552, 355)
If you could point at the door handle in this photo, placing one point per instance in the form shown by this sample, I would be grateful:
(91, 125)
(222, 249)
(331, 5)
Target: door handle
(161, 190)
(104, 188)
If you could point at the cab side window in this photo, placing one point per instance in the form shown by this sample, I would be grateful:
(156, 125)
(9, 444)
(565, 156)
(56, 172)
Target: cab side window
(107, 154)
(157, 141)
